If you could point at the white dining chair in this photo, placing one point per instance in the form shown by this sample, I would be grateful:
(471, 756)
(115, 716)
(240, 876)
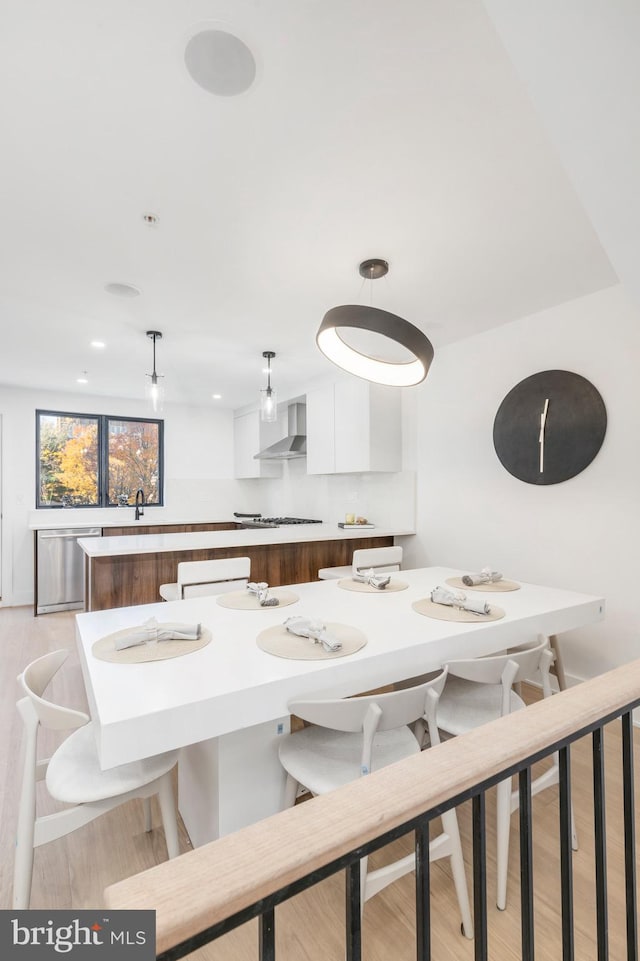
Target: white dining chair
(73, 775)
(480, 690)
(201, 578)
(381, 559)
(351, 737)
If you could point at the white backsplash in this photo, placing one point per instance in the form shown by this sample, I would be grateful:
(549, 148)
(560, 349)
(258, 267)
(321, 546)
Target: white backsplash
(387, 500)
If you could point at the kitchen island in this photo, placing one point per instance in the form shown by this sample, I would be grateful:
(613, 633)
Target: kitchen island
(128, 570)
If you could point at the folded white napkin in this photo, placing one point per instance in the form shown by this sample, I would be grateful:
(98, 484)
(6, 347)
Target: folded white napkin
(314, 630)
(369, 576)
(261, 590)
(151, 631)
(486, 576)
(453, 598)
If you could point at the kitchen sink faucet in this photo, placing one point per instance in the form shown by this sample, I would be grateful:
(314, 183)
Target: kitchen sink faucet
(139, 503)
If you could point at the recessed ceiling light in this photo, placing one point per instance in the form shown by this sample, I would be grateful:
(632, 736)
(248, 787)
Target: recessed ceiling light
(217, 396)
(99, 344)
(122, 290)
(83, 379)
(220, 63)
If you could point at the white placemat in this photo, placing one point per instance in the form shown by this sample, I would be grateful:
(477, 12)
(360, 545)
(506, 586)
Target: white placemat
(442, 612)
(361, 587)
(246, 601)
(104, 648)
(494, 587)
(281, 642)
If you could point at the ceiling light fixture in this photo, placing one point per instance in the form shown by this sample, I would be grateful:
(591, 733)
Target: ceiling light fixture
(98, 344)
(372, 320)
(83, 379)
(154, 389)
(268, 403)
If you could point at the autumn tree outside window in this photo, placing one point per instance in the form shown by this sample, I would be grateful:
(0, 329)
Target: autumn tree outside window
(92, 460)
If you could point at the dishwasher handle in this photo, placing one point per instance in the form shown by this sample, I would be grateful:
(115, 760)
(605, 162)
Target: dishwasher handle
(69, 534)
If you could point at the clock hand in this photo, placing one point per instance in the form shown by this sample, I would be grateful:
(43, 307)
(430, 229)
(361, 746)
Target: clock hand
(543, 420)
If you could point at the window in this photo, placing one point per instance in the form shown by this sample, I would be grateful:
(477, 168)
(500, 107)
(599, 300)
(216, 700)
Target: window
(92, 460)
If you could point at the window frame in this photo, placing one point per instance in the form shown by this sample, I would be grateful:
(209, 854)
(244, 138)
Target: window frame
(103, 421)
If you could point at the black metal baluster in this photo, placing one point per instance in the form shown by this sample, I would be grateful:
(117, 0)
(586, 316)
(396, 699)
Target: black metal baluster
(267, 936)
(566, 867)
(526, 865)
(423, 907)
(353, 912)
(600, 834)
(629, 836)
(479, 877)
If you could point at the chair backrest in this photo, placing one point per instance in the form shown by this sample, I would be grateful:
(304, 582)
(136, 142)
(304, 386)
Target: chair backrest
(213, 577)
(34, 681)
(381, 559)
(375, 712)
(507, 669)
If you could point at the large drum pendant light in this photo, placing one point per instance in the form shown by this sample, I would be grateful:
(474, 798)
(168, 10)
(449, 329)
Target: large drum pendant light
(376, 321)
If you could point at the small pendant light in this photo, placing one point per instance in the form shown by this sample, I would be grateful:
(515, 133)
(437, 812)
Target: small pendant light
(154, 388)
(268, 402)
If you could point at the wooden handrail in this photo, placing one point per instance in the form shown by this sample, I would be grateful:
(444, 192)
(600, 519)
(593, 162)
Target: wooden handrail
(207, 885)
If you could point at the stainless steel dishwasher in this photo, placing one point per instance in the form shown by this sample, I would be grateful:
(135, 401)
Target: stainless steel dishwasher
(60, 569)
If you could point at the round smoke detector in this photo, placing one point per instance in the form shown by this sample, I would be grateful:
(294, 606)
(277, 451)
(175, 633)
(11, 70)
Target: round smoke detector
(220, 63)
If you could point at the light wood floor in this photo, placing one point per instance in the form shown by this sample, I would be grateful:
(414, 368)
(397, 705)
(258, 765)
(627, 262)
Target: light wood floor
(74, 871)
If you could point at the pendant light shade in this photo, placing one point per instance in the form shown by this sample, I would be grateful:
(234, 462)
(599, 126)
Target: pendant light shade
(381, 323)
(154, 382)
(268, 399)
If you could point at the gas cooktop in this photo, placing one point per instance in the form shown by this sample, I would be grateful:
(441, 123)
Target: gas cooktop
(257, 520)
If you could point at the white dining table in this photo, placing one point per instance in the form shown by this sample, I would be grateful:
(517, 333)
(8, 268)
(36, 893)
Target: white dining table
(225, 706)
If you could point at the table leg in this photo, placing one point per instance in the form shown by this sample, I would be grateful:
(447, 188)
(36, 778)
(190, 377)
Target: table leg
(229, 782)
(558, 667)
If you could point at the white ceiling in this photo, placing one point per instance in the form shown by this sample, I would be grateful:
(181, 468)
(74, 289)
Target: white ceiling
(373, 129)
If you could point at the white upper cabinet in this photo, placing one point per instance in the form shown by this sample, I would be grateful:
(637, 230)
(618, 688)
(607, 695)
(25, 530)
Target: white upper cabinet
(353, 426)
(251, 435)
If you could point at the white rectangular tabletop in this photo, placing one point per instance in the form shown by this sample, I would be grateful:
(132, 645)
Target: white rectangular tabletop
(143, 709)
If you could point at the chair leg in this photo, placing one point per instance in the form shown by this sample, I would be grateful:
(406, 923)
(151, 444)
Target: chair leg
(23, 857)
(450, 827)
(503, 828)
(290, 792)
(146, 811)
(22, 873)
(169, 817)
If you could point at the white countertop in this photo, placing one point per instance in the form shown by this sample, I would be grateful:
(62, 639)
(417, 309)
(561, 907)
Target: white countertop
(251, 537)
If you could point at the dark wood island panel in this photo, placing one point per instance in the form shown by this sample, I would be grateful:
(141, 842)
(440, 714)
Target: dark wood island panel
(168, 528)
(125, 580)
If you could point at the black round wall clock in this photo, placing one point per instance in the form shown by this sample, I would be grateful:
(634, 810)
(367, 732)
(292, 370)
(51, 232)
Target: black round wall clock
(549, 427)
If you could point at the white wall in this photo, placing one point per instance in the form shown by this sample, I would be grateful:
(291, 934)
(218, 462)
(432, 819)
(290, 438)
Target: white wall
(582, 534)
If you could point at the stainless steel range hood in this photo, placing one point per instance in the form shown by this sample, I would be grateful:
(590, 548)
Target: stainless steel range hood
(295, 443)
